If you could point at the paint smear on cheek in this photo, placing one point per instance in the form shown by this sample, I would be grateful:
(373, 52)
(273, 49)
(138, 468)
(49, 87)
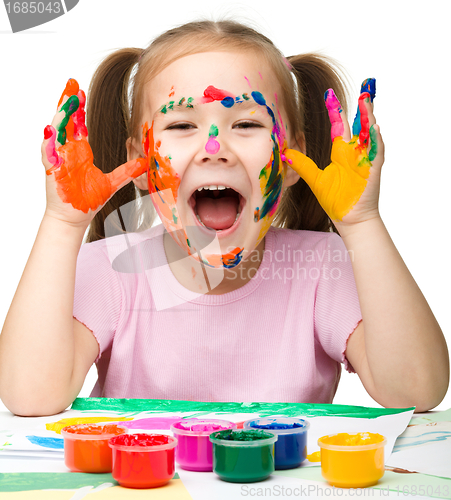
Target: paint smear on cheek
(212, 146)
(161, 174)
(163, 183)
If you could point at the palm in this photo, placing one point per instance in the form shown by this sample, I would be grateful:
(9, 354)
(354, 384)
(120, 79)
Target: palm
(345, 189)
(69, 159)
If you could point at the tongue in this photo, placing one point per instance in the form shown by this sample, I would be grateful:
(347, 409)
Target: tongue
(217, 213)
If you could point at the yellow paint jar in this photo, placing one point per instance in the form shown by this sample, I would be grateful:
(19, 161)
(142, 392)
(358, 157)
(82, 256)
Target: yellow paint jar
(352, 460)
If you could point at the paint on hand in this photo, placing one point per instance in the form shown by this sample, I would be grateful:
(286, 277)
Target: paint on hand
(334, 109)
(212, 146)
(78, 181)
(341, 184)
(369, 86)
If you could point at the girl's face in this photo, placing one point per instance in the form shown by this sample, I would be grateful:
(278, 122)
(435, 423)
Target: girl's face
(214, 134)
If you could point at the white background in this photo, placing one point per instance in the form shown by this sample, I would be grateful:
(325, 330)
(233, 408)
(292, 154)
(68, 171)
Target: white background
(404, 44)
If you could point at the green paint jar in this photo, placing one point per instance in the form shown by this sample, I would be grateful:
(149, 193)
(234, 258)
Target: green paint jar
(243, 456)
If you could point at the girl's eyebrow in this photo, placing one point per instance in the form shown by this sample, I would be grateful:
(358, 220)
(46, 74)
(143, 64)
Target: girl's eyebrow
(183, 105)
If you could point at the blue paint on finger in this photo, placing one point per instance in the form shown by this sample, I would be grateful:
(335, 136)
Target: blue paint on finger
(369, 85)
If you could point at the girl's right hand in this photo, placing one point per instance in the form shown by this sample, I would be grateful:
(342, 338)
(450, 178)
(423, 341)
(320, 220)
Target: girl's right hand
(76, 188)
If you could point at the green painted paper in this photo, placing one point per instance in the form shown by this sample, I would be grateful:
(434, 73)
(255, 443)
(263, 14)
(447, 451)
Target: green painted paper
(435, 487)
(204, 408)
(30, 481)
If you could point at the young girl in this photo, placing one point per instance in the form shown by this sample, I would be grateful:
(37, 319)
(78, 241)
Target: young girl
(246, 292)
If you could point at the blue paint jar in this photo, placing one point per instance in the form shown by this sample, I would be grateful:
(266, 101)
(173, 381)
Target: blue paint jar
(291, 445)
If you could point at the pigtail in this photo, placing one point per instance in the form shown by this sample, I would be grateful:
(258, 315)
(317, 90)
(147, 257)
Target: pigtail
(299, 208)
(108, 117)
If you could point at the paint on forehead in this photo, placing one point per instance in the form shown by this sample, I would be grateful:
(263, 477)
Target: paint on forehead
(172, 92)
(212, 94)
(212, 146)
(248, 82)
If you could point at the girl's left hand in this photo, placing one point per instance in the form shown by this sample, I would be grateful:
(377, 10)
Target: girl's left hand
(348, 188)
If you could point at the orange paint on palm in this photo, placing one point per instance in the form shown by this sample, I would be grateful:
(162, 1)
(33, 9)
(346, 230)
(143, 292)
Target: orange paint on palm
(82, 184)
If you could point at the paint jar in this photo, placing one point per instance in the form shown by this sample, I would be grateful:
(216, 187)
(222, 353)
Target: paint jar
(194, 449)
(243, 456)
(143, 460)
(352, 460)
(86, 446)
(291, 447)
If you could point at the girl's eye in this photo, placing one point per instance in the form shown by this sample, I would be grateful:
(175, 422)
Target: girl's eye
(180, 126)
(247, 124)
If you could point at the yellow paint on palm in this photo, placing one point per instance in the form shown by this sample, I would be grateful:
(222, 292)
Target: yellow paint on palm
(65, 422)
(341, 184)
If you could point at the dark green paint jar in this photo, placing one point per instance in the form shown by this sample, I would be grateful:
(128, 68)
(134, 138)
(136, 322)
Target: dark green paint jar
(243, 456)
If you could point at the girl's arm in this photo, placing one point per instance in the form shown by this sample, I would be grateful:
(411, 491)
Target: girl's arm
(398, 350)
(45, 353)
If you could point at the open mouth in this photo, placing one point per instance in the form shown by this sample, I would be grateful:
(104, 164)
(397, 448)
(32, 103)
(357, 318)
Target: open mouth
(217, 208)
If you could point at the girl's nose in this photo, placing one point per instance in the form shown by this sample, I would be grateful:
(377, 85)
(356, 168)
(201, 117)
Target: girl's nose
(215, 148)
(212, 147)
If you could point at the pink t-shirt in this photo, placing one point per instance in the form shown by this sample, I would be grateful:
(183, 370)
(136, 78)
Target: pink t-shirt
(280, 337)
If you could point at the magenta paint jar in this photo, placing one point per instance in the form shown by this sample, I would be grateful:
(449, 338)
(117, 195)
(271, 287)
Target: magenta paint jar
(194, 449)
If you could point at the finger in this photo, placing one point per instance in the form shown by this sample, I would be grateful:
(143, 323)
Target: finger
(368, 85)
(80, 130)
(123, 174)
(303, 165)
(68, 108)
(50, 156)
(364, 104)
(377, 151)
(334, 109)
(72, 88)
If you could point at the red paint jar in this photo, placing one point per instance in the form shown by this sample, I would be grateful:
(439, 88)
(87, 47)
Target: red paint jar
(86, 446)
(143, 460)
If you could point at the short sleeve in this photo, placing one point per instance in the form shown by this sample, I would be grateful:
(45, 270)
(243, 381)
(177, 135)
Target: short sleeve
(98, 296)
(337, 307)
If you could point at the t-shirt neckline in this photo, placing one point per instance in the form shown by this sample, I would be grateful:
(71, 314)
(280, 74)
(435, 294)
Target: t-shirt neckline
(189, 296)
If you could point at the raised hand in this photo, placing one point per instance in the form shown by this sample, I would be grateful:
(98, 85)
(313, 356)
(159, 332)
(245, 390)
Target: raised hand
(348, 188)
(75, 186)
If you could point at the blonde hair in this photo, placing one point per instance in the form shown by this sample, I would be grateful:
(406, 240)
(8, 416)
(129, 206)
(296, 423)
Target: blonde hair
(115, 102)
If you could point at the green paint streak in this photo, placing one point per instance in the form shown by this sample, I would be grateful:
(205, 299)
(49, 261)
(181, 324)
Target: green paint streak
(29, 481)
(189, 244)
(164, 109)
(213, 131)
(69, 108)
(189, 102)
(171, 105)
(182, 100)
(364, 162)
(373, 151)
(174, 216)
(245, 97)
(204, 408)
